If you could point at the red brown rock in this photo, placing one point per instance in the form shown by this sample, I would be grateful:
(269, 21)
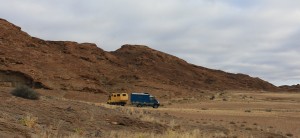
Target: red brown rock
(85, 67)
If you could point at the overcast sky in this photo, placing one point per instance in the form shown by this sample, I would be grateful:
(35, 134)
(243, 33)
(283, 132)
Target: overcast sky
(260, 38)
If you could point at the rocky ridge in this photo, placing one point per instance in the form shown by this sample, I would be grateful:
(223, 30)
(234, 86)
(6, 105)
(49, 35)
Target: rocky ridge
(66, 65)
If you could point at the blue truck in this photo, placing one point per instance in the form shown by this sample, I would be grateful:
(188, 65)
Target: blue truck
(143, 99)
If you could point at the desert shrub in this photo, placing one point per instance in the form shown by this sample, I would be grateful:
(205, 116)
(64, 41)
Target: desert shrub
(268, 110)
(248, 128)
(289, 134)
(231, 122)
(25, 92)
(248, 111)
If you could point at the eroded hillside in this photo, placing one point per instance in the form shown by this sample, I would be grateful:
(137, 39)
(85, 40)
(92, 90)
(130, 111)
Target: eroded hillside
(65, 65)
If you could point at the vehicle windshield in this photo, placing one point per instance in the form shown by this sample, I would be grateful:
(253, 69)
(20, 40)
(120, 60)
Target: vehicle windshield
(152, 98)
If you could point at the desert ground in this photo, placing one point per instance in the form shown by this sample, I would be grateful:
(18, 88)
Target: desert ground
(233, 114)
(74, 81)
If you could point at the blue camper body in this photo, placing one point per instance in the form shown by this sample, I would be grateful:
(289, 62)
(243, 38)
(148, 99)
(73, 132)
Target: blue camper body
(143, 99)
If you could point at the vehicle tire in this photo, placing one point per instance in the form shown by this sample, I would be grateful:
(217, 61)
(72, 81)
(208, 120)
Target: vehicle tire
(139, 105)
(122, 104)
(155, 106)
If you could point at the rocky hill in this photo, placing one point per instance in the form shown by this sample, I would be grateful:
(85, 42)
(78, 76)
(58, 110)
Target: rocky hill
(65, 65)
(293, 88)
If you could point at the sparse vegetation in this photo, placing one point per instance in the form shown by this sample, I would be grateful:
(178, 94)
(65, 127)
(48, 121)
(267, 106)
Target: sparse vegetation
(248, 111)
(168, 134)
(29, 121)
(231, 122)
(178, 120)
(212, 97)
(196, 133)
(269, 110)
(248, 128)
(25, 92)
(289, 134)
(79, 131)
(172, 124)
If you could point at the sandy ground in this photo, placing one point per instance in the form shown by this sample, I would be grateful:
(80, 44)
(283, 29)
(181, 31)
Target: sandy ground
(227, 114)
(278, 113)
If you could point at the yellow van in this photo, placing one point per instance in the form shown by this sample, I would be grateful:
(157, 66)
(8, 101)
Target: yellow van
(117, 99)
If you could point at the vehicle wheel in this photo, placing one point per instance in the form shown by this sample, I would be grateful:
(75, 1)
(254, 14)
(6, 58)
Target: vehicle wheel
(122, 104)
(139, 105)
(155, 106)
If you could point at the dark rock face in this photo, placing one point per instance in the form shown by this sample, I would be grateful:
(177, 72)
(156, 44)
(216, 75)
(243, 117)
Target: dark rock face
(10, 78)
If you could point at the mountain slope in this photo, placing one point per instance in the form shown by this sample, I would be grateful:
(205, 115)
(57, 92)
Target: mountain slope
(65, 65)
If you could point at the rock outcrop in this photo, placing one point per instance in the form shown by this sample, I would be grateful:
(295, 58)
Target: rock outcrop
(66, 65)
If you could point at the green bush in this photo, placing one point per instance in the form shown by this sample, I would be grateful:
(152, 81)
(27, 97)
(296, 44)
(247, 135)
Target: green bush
(25, 92)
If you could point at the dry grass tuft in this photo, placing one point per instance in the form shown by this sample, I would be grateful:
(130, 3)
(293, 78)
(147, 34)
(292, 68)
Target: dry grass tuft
(29, 121)
(79, 131)
(168, 134)
(143, 114)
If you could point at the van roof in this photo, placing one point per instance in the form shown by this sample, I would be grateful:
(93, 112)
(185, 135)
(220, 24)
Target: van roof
(118, 93)
(140, 93)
